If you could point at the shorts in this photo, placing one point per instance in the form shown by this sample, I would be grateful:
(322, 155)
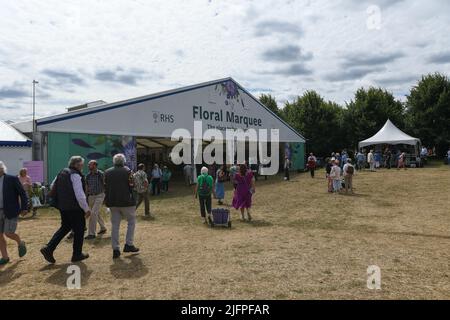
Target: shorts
(7, 225)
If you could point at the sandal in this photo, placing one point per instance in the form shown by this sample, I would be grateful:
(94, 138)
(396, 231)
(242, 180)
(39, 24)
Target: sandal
(22, 249)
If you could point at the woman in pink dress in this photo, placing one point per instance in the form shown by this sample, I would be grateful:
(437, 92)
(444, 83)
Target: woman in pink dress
(245, 188)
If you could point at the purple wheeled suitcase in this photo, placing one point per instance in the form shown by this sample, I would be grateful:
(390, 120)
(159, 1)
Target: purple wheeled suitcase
(220, 217)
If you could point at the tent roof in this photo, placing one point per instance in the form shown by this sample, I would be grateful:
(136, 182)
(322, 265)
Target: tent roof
(389, 134)
(10, 137)
(24, 126)
(141, 108)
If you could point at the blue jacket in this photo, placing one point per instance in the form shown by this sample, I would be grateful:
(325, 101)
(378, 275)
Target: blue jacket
(12, 190)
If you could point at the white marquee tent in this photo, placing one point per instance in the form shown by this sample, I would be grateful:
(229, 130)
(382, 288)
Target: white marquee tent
(15, 148)
(390, 134)
(146, 124)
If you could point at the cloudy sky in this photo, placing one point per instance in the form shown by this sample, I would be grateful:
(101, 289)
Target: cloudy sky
(82, 51)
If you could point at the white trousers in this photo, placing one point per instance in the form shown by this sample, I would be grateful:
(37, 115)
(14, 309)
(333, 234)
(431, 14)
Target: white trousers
(95, 203)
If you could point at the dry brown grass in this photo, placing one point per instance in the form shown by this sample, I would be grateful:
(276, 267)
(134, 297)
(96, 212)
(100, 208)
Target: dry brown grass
(303, 244)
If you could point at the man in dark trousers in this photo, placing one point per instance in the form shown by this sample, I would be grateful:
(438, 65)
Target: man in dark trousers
(69, 192)
(10, 191)
(387, 158)
(287, 165)
(311, 164)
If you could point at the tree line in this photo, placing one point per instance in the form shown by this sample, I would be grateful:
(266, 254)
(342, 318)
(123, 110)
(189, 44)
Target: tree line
(329, 126)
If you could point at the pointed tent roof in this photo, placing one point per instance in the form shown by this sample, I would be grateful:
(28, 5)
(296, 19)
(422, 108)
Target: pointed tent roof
(389, 134)
(10, 137)
(136, 117)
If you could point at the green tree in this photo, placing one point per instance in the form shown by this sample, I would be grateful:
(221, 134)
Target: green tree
(318, 120)
(428, 111)
(368, 112)
(270, 102)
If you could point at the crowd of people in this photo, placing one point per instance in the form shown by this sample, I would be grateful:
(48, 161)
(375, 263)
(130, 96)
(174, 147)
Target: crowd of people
(340, 168)
(80, 197)
(375, 159)
(339, 176)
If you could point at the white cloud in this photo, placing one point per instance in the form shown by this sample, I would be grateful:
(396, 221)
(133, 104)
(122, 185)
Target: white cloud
(82, 51)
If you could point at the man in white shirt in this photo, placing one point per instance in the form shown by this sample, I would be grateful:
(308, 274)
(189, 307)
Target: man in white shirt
(156, 175)
(371, 160)
(69, 191)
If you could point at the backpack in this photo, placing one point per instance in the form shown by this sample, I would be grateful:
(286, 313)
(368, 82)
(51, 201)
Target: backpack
(205, 189)
(350, 170)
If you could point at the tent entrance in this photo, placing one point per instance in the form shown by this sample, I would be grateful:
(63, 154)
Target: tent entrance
(150, 151)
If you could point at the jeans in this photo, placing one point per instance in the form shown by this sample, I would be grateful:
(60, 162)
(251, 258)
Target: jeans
(387, 163)
(360, 165)
(129, 213)
(156, 188)
(205, 205)
(70, 220)
(143, 197)
(286, 173)
(165, 186)
(337, 185)
(95, 203)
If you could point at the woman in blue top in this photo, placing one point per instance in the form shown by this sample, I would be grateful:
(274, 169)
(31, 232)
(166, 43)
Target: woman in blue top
(220, 184)
(377, 157)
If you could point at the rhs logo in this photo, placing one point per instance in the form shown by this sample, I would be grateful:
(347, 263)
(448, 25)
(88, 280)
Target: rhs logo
(163, 117)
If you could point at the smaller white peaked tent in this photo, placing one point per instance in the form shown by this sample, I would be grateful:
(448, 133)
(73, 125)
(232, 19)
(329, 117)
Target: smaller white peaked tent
(389, 134)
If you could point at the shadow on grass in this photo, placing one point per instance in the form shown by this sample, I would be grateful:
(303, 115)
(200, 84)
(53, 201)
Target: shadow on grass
(99, 241)
(142, 217)
(8, 273)
(59, 277)
(134, 268)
